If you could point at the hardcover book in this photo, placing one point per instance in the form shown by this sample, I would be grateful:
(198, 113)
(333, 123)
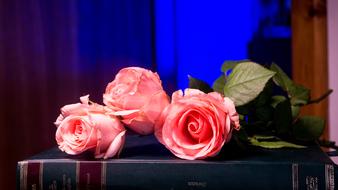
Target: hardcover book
(146, 164)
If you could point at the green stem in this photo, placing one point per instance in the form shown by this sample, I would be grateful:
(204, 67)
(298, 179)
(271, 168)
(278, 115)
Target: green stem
(322, 97)
(328, 144)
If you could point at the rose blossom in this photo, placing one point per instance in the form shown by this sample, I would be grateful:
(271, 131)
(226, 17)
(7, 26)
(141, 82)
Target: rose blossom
(137, 95)
(196, 125)
(82, 127)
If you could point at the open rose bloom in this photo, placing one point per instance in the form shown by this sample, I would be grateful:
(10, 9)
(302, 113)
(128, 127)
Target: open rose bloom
(82, 127)
(136, 94)
(196, 125)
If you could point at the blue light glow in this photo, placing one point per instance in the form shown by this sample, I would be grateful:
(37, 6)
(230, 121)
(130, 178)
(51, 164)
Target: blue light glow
(196, 37)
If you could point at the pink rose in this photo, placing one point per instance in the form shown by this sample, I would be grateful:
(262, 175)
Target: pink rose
(85, 126)
(137, 95)
(196, 125)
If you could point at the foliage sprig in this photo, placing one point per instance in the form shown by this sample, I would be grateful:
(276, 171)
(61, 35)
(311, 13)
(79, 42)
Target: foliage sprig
(268, 120)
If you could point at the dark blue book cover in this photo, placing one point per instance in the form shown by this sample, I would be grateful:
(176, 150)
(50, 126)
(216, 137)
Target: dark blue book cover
(146, 164)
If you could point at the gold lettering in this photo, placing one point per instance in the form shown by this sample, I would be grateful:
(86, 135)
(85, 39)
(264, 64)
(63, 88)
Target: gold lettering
(311, 183)
(69, 184)
(53, 186)
(64, 180)
(200, 184)
(88, 181)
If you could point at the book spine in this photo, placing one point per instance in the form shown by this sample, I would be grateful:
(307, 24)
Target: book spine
(154, 175)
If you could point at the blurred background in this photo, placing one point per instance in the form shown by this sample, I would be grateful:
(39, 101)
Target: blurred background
(52, 52)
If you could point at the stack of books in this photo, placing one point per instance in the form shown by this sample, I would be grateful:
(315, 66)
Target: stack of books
(146, 164)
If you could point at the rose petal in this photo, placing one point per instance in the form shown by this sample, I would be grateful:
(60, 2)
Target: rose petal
(155, 105)
(140, 125)
(176, 96)
(59, 120)
(192, 92)
(216, 95)
(196, 125)
(137, 95)
(67, 140)
(130, 113)
(234, 117)
(70, 109)
(160, 123)
(116, 145)
(85, 99)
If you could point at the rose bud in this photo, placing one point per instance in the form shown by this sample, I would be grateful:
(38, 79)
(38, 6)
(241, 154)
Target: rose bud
(82, 127)
(196, 125)
(137, 95)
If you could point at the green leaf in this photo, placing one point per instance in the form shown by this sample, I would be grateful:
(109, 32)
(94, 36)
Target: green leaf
(281, 78)
(298, 94)
(308, 128)
(295, 111)
(219, 83)
(244, 110)
(256, 126)
(273, 144)
(199, 84)
(241, 135)
(240, 138)
(265, 96)
(276, 100)
(246, 82)
(283, 117)
(228, 65)
(265, 137)
(264, 113)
